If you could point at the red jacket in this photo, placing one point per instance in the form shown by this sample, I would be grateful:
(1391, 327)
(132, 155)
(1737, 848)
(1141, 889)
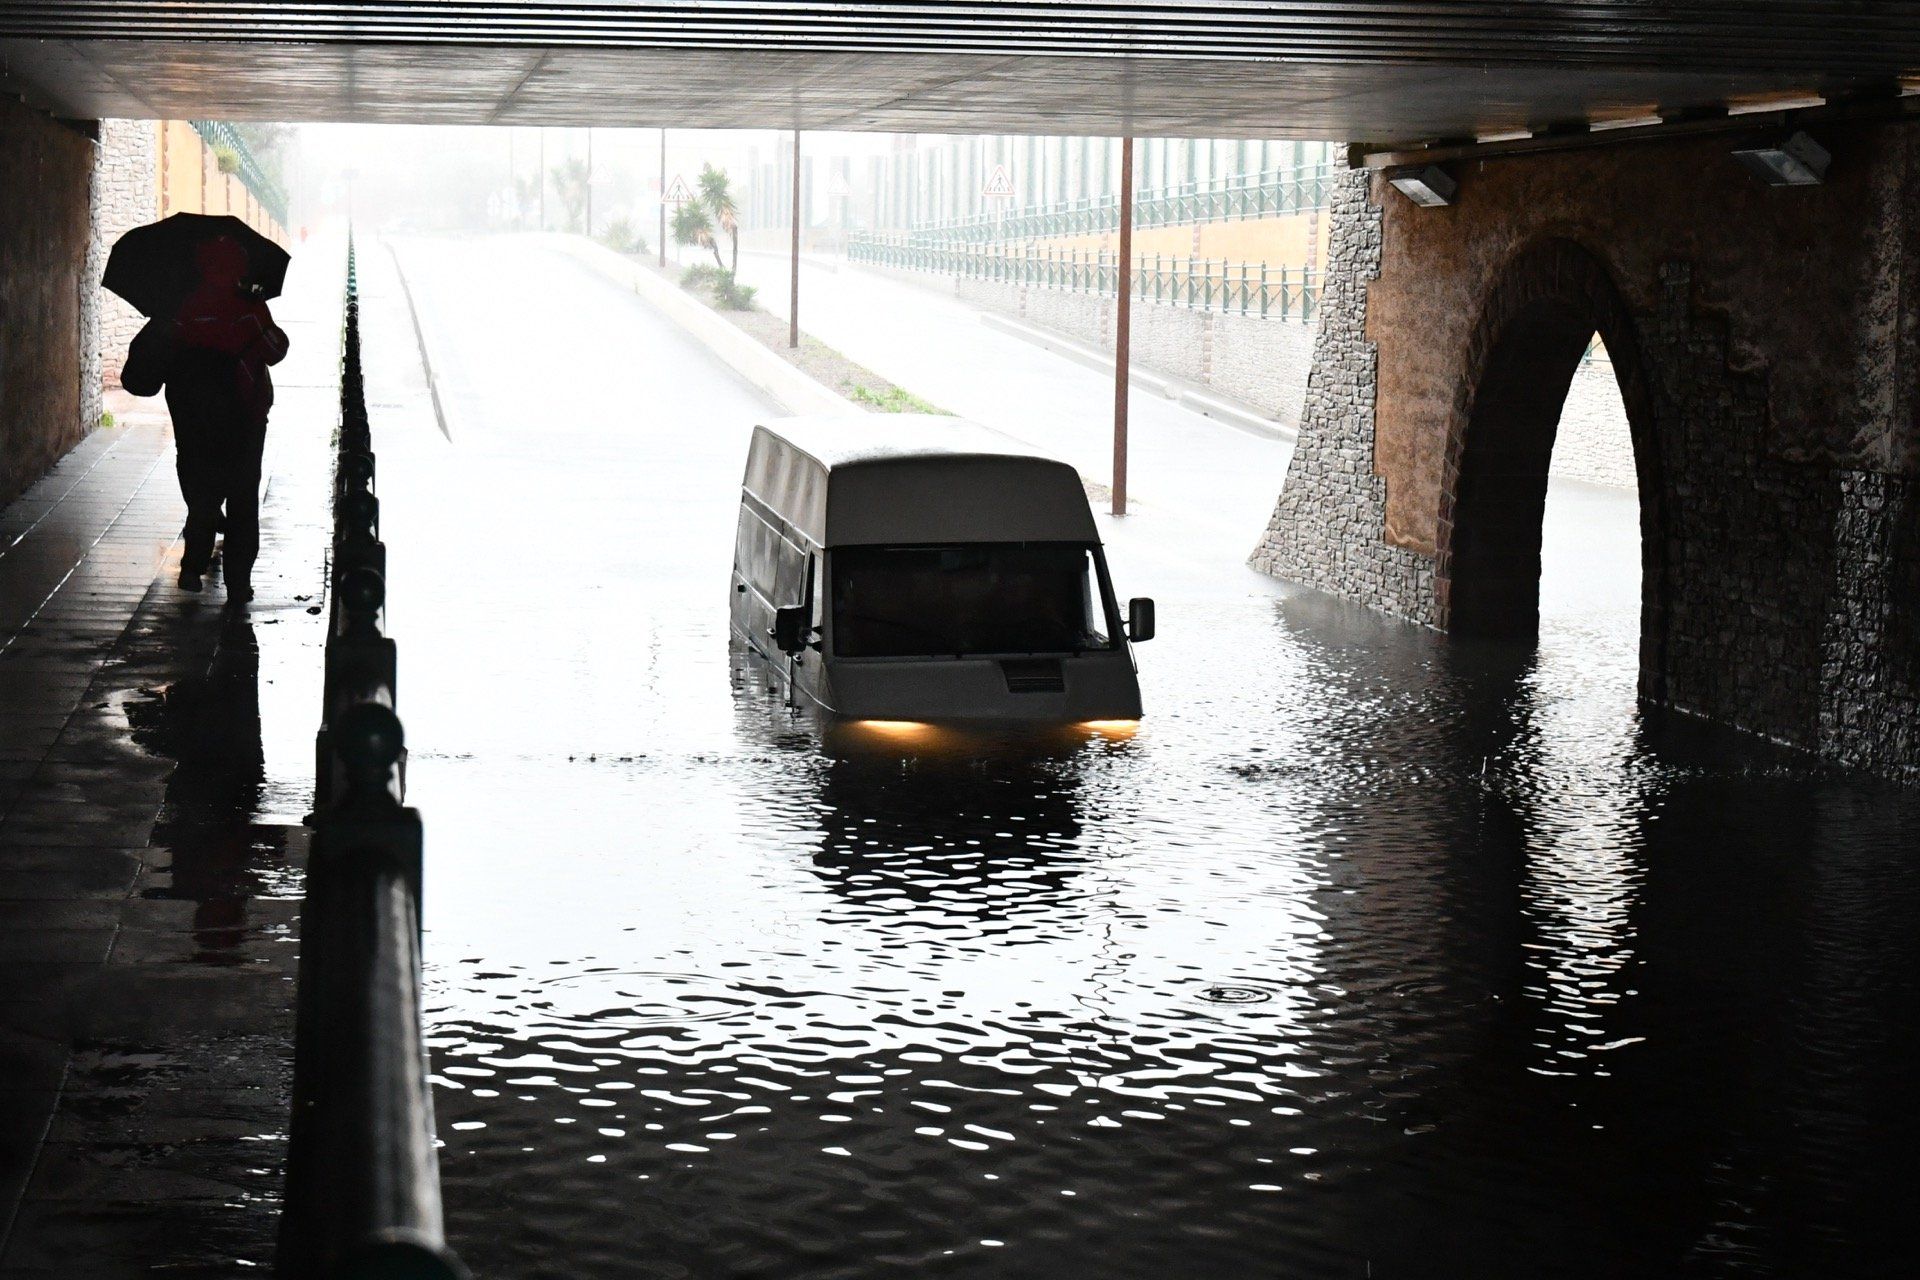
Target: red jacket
(218, 316)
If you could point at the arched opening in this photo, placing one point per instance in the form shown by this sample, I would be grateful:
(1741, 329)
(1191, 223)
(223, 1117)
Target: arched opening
(1537, 327)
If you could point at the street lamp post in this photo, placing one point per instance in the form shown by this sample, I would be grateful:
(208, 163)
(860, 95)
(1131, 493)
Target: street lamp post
(1122, 329)
(793, 301)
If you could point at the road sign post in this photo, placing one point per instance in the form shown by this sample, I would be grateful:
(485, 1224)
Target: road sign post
(675, 193)
(998, 188)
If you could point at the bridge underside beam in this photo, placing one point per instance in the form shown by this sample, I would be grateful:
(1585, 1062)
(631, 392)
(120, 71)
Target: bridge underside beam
(1764, 339)
(812, 90)
(1379, 70)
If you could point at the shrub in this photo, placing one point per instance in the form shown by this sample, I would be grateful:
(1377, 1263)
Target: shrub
(731, 294)
(892, 400)
(226, 158)
(620, 236)
(106, 419)
(726, 292)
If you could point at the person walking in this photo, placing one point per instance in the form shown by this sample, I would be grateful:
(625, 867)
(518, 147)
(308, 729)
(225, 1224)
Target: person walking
(203, 281)
(221, 342)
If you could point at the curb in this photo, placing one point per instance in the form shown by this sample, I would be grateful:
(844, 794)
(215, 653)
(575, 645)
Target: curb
(1229, 412)
(790, 388)
(420, 336)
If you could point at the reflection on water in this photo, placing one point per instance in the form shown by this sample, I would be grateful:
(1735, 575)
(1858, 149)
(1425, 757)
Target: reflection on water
(221, 857)
(1379, 951)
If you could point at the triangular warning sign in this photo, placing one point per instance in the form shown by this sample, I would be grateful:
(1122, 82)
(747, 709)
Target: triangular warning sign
(999, 183)
(677, 191)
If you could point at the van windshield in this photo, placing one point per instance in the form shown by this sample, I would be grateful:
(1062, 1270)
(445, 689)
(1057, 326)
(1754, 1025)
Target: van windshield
(970, 598)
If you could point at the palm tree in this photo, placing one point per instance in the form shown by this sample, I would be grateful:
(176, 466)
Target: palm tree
(716, 194)
(570, 184)
(693, 225)
(526, 194)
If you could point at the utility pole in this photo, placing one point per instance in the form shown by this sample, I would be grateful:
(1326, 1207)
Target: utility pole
(589, 182)
(793, 301)
(663, 197)
(1122, 329)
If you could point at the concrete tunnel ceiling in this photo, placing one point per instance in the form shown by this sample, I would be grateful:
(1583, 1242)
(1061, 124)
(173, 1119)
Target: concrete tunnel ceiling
(1386, 71)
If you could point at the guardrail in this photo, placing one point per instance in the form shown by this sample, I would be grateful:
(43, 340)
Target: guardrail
(1199, 284)
(1251, 195)
(271, 195)
(363, 1180)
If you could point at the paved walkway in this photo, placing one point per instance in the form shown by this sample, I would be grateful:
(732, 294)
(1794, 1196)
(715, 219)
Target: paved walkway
(151, 766)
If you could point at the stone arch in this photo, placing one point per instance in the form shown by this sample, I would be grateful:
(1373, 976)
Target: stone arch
(1549, 300)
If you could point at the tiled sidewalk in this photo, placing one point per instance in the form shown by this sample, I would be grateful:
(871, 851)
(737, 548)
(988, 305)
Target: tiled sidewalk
(150, 857)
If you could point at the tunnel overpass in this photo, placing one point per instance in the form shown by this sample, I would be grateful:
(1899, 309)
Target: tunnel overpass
(1722, 190)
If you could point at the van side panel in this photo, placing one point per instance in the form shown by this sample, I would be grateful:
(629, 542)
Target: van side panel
(792, 484)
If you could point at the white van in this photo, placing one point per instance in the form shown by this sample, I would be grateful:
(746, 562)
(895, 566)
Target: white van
(914, 567)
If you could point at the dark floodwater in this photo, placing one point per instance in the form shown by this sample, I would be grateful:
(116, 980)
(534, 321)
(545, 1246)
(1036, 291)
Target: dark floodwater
(1364, 952)
(1368, 954)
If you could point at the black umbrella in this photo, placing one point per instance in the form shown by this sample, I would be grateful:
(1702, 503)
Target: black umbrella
(154, 268)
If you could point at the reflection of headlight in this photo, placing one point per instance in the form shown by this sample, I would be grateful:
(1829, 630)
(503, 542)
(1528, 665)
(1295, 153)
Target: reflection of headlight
(1112, 728)
(894, 728)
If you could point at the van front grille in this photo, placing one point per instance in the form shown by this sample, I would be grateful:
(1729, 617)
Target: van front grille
(1033, 675)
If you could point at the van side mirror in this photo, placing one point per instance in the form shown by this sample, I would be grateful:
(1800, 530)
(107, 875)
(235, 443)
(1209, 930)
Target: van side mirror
(790, 628)
(1139, 619)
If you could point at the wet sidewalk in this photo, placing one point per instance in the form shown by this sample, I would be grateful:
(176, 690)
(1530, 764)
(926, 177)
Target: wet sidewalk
(153, 753)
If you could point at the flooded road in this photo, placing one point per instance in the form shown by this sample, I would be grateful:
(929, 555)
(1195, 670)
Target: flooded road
(1368, 954)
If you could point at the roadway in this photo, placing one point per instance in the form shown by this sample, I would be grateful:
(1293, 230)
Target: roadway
(1218, 481)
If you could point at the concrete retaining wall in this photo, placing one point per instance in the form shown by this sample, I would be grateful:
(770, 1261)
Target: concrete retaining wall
(1259, 362)
(1593, 444)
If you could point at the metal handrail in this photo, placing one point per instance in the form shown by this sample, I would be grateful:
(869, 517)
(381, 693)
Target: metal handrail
(1198, 284)
(271, 195)
(1225, 199)
(363, 1179)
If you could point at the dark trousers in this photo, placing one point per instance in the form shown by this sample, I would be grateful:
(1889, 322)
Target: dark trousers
(218, 441)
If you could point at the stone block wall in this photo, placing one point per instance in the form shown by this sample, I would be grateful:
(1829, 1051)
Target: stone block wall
(49, 376)
(1327, 529)
(1870, 638)
(1262, 362)
(1770, 390)
(126, 194)
(1747, 534)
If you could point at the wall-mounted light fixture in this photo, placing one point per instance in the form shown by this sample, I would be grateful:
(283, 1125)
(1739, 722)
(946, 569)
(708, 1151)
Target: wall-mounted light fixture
(1797, 162)
(1426, 185)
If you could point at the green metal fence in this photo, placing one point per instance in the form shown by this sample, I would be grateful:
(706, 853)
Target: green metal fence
(1241, 196)
(218, 134)
(1199, 284)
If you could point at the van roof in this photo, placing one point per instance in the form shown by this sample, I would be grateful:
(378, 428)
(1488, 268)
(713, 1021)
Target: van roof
(857, 479)
(839, 440)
